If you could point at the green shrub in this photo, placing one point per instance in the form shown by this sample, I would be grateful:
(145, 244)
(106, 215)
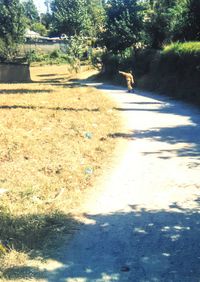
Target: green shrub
(143, 61)
(55, 54)
(55, 57)
(34, 56)
(40, 28)
(183, 48)
(96, 57)
(8, 50)
(175, 71)
(181, 58)
(110, 64)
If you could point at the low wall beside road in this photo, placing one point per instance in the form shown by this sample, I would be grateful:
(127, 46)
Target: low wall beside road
(11, 72)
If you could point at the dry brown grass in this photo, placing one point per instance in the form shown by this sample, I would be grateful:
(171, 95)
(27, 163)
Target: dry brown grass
(54, 143)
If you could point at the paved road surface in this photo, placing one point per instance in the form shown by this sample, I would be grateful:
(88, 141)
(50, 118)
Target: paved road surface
(144, 225)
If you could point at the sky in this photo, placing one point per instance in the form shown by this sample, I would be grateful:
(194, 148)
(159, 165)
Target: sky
(40, 6)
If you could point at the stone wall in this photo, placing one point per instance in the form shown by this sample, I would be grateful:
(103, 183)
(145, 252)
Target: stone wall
(14, 73)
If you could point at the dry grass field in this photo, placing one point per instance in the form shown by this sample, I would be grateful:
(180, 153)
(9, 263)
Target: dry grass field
(54, 143)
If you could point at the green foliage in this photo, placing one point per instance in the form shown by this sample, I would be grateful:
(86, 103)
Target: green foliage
(159, 18)
(46, 20)
(187, 25)
(55, 54)
(33, 56)
(8, 49)
(96, 58)
(76, 46)
(70, 17)
(112, 63)
(175, 71)
(55, 57)
(40, 28)
(123, 24)
(96, 13)
(166, 21)
(143, 61)
(72, 52)
(12, 28)
(73, 17)
(31, 12)
(187, 48)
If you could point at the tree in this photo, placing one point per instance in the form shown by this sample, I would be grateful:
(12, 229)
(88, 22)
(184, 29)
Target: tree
(123, 24)
(70, 17)
(31, 11)
(33, 18)
(75, 46)
(40, 28)
(187, 25)
(159, 18)
(46, 20)
(12, 28)
(48, 5)
(96, 12)
(171, 20)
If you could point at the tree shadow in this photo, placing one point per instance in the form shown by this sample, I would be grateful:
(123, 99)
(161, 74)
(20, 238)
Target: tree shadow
(188, 134)
(33, 232)
(24, 91)
(143, 103)
(57, 82)
(51, 80)
(70, 109)
(121, 135)
(180, 134)
(138, 245)
(167, 105)
(73, 85)
(47, 75)
(38, 235)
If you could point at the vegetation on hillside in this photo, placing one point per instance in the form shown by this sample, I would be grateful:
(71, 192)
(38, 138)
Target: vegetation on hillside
(175, 71)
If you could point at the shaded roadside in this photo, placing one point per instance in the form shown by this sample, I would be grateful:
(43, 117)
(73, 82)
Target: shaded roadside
(161, 245)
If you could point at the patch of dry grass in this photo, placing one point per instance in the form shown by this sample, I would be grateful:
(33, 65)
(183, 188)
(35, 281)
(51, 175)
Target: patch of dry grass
(53, 136)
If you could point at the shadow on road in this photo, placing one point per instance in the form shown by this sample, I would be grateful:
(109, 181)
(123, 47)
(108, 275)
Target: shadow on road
(188, 135)
(160, 244)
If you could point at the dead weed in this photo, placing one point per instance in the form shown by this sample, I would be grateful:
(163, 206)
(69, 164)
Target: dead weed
(54, 143)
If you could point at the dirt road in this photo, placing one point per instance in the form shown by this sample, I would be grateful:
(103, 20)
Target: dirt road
(143, 224)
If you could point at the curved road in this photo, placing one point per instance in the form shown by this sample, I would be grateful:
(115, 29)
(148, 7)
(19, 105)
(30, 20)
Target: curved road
(144, 224)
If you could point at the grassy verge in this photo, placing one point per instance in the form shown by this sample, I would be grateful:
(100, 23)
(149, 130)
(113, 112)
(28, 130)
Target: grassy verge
(54, 144)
